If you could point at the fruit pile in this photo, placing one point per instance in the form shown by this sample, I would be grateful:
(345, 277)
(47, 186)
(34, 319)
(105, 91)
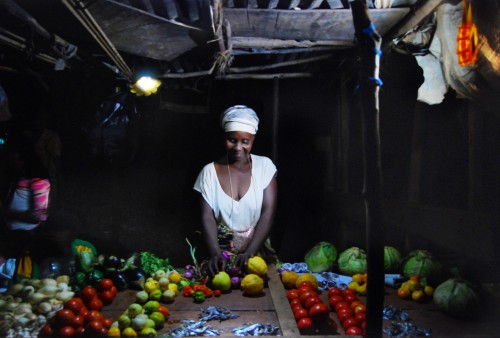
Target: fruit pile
(416, 289)
(358, 283)
(350, 310)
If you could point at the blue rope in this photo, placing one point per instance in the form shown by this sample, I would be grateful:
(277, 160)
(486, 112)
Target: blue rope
(377, 80)
(370, 30)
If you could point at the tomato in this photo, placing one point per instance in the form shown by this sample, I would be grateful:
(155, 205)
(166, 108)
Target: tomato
(319, 312)
(300, 313)
(305, 295)
(105, 284)
(78, 321)
(311, 301)
(107, 322)
(104, 332)
(95, 304)
(349, 322)
(350, 298)
(333, 300)
(335, 292)
(93, 315)
(360, 317)
(349, 292)
(360, 308)
(341, 305)
(306, 284)
(305, 324)
(356, 303)
(46, 331)
(66, 331)
(345, 314)
(65, 317)
(164, 311)
(294, 302)
(303, 289)
(114, 289)
(94, 326)
(296, 307)
(88, 293)
(354, 331)
(83, 312)
(291, 294)
(80, 331)
(107, 297)
(74, 304)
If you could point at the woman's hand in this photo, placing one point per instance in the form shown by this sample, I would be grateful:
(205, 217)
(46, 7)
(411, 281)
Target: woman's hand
(216, 263)
(242, 260)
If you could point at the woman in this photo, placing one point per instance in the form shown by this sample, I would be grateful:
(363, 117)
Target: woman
(238, 195)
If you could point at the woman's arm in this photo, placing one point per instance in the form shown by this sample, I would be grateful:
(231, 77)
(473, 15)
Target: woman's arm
(210, 230)
(264, 225)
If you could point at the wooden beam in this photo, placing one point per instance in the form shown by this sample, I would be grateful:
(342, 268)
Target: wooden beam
(278, 65)
(265, 43)
(262, 76)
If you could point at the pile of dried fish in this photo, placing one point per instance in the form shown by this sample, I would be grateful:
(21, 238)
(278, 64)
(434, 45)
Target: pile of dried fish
(256, 329)
(216, 312)
(192, 328)
(400, 325)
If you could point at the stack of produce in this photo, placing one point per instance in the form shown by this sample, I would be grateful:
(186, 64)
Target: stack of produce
(350, 310)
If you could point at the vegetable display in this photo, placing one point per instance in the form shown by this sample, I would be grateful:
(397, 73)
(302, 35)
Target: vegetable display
(321, 257)
(456, 298)
(352, 261)
(151, 263)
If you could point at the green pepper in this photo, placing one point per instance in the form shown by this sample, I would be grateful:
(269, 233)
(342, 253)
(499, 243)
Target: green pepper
(79, 279)
(95, 276)
(182, 283)
(199, 297)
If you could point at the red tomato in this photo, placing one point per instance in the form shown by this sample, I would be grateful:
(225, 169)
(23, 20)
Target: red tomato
(305, 324)
(333, 300)
(107, 322)
(104, 332)
(107, 297)
(335, 292)
(114, 290)
(305, 283)
(360, 317)
(46, 331)
(83, 312)
(300, 313)
(360, 308)
(105, 284)
(93, 315)
(88, 293)
(305, 295)
(78, 321)
(350, 298)
(349, 322)
(355, 303)
(291, 294)
(354, 331)
(66, 331)
(341, 305)
(74, 304)
(294, 302)
(79, 331)
(164, 311)
(95, 304)
(303, 289)
(296, 308)
(319, 312)
(65, 317)
(311, 301)
(349, 292)
(94, 326)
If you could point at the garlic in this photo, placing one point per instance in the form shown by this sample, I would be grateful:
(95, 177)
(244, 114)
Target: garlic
(23, 308)
(37, 297)
(49, 281)
(63, 286)
(65, 295)
(49, 290)
(44, 308)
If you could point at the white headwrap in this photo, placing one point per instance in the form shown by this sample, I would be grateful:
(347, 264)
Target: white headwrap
(240, 118)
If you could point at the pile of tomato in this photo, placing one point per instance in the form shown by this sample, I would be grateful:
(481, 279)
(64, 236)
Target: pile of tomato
(81, 316)
(350, 310)
(309, 310)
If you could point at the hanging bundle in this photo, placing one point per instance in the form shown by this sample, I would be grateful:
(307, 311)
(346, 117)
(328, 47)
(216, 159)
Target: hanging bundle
(467, 38)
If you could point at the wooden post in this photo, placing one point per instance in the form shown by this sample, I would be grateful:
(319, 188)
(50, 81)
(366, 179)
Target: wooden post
(369, 42)
(276, 106)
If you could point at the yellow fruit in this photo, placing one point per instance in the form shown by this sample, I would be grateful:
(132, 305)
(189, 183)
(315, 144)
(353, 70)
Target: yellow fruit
(404, 292)
(168, 296)
(252, 284)
(129, 332)
(353, 285)
(417, 295)
(413, 285)
(174, 277)
(221, 281)
(309, 277)
(148, 332)
(114, 332)
(288, 278)
(150, 286)
(257, 265)
(358, 278)
(361, 290)
(173, 287)
(428, 290)
(155, 295)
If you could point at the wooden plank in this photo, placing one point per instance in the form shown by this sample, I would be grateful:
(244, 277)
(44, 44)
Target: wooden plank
(319, 25)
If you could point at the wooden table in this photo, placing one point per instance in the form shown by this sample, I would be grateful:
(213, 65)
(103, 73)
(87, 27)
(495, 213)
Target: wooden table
(273, 308)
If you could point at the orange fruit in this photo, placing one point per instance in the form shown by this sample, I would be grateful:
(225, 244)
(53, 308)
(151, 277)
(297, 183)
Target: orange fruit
(404, 293)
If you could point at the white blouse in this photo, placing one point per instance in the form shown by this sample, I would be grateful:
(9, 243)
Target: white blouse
(245, 213)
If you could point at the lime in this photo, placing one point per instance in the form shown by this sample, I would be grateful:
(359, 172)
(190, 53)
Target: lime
(221, 281)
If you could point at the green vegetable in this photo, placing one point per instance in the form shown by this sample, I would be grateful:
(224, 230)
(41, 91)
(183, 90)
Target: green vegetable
(79, 279)
(150, 263)
(86, 261)
(95, 276)
(199, 297)
(456, 298)
(352, 261)
(421, 263)
(392, 259)
(321, 257)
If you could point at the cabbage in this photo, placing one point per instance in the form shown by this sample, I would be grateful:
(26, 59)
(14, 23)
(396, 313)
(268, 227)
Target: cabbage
(392, 259)
(456, 298)
(421, 263)
(352, 261)
(321, 257)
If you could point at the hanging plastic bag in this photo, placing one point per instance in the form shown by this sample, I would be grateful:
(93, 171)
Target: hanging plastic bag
(417, 40)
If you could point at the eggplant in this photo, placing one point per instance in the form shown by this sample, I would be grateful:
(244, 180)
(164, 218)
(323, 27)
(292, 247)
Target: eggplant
(120, 279)
(136, 278)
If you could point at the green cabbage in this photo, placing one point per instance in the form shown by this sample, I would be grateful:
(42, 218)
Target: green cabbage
(321, 257)
(392, 259)
(456, 298)
(352, 261)
(421, 263)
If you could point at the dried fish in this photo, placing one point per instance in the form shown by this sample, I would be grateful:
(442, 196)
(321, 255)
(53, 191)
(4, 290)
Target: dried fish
(216, 312)
(256, 329)
(400, 325)
(191, 328)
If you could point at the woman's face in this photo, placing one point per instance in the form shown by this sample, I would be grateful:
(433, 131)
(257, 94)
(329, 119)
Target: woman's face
(238, 145)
